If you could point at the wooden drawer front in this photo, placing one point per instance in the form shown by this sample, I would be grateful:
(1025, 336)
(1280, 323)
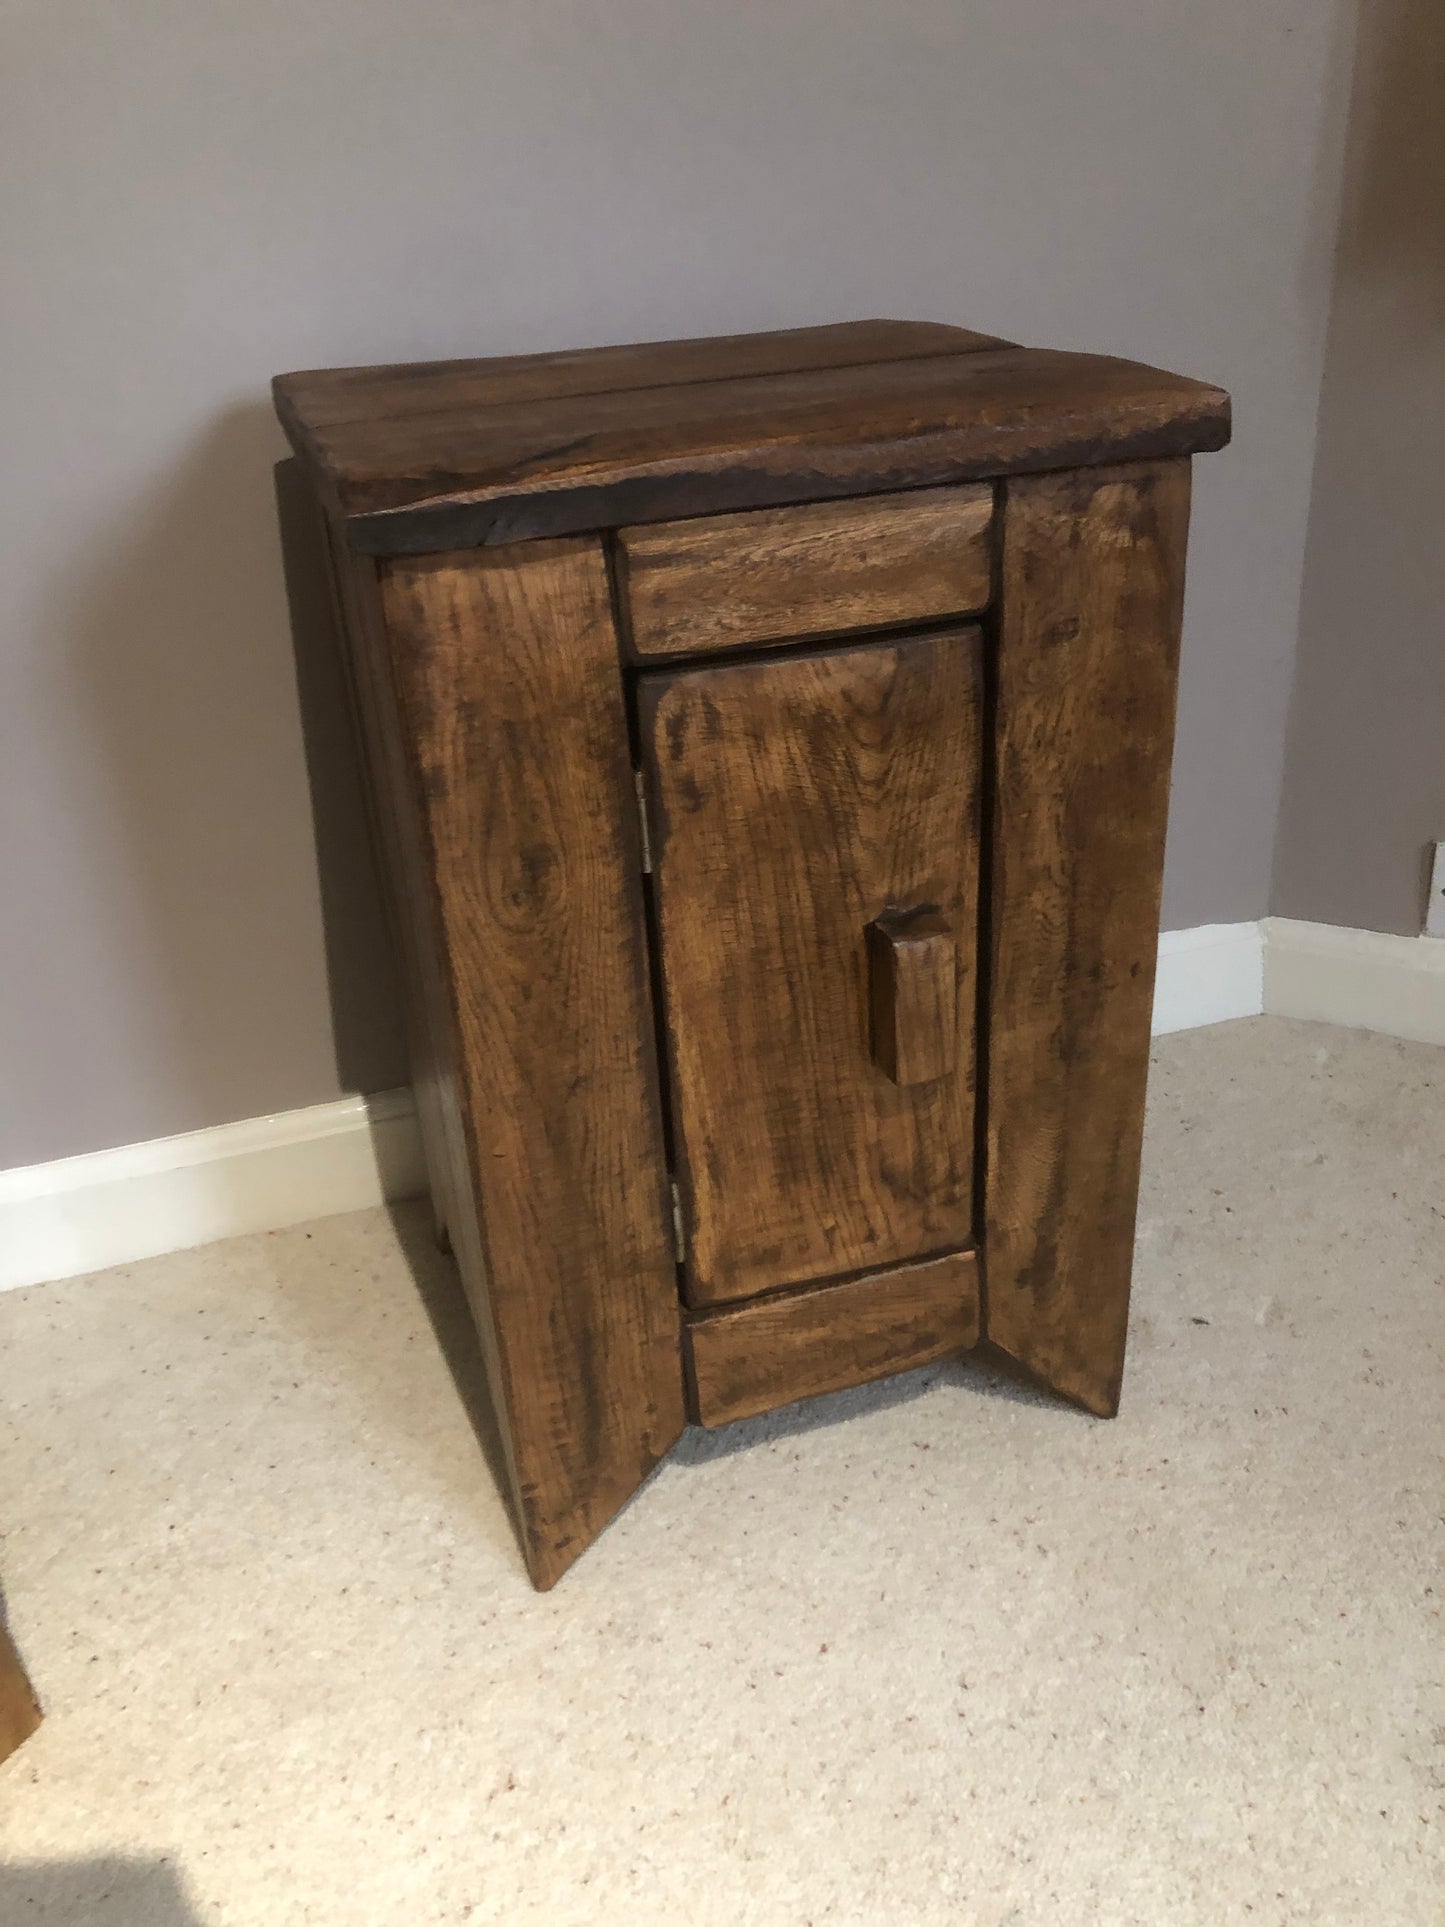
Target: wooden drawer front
(748, 1359)
(734, 581)
(796, 806)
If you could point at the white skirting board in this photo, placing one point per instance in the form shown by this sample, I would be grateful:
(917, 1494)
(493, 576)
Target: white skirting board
(1208, 975)
(1360, 978)
(111, 1207)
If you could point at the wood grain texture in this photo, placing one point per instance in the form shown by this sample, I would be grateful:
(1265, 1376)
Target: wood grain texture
(1092, 588)
(433, 1042)
(397, 850)
(912, 995)
(19, 1712)
(719, 582)
(509, 699)
(797, 1344)
(416, 462)
(324, 397)
(794, 800)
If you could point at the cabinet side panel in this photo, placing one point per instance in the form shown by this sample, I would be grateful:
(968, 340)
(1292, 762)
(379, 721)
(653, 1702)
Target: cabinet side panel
(506, 678)
(395, 846)
(431, 1028)
(1092, 587)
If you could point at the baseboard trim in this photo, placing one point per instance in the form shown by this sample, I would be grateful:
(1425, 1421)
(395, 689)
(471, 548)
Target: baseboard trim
(111, 1207)
(1208, 975)
(1364, 979)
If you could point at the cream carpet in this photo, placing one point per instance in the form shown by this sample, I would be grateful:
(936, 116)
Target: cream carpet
(935, 1652)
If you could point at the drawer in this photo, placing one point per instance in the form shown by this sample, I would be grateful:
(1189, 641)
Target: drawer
(814, 826)
(737, 581)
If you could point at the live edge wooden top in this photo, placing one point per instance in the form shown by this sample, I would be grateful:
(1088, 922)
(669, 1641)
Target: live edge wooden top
(451, 454)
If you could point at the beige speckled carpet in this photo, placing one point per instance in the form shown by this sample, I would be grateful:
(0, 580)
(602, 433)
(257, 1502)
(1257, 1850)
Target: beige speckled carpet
(938, 1651)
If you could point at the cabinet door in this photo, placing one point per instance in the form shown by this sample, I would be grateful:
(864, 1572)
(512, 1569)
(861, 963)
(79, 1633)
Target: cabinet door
(814, 822)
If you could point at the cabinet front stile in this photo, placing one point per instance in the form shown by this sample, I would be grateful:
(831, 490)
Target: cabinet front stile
(504, 674)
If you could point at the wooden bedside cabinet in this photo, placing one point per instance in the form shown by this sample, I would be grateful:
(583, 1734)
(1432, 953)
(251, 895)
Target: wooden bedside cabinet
(769, 739)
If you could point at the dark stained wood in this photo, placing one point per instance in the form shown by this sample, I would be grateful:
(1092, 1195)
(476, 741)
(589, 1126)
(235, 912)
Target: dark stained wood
(913, 995)
(797, 1344)
(19, 1712)
(509, 702)
(721, 582)
(432, 1034)
(1092, 587)
(323, 397)
(793, 801)
(418, 462)
(815, 836)
(397, 849)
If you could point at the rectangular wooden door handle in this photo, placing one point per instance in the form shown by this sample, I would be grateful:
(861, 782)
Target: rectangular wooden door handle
(912, 994)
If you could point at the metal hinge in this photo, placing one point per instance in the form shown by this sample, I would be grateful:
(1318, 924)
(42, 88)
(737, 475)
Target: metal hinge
(642, 823)
(678, 1243)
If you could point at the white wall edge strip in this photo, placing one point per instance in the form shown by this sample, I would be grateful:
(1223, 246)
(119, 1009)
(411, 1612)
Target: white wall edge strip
(1364, 979)
(1208, 975)
(111, 1207)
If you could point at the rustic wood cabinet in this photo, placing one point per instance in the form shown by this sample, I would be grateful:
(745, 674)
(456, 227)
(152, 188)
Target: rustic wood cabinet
(770, 741)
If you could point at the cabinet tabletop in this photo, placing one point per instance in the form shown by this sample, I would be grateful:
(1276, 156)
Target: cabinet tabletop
(430, 456)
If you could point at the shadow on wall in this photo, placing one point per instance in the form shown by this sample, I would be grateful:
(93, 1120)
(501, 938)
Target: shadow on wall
(106, 1892)
(1364, 786)
(1394, 225)
(360, 965)
(1394, 215)
(181, 665)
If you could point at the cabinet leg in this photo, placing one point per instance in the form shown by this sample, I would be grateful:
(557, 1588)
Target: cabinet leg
(1091, 593)
(503, 666)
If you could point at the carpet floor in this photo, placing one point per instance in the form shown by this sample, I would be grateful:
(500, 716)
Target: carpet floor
(937, 1651)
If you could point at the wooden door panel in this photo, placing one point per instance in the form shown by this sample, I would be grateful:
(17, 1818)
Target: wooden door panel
(794, 802)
